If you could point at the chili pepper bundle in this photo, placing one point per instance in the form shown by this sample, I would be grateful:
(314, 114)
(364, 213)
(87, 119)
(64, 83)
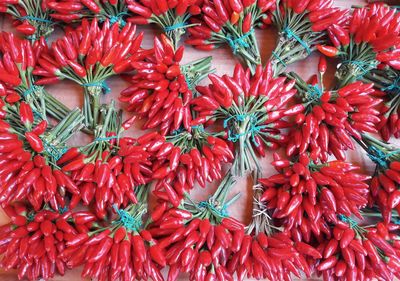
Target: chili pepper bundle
(117, 250)
(387, 81)
(32, 19)
(88, 56)
(162, 89)
(19, 58)
(107, 168)
(198, 238)
(306, 195)
(371, 36)
(69, 11)
(302, 25)
(327, 120)
(230, 23)
(170, 15)
(32, 242)
(30, 152)
(354, 252)
(251, 108)
(386, 181)
(184, 159)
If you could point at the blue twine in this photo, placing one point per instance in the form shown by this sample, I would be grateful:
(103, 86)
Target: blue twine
(253, 130)
(396, 220)
(179, 25)
(54, 151)
(198, 127)
(222, 212)
(35, 19)
(235, 42)
(30, 216)
(101, 84)
(279, 59)
(290, 34)
(63, 210)
(106, 139)
(361, 65)
(178, 131)
(127, 220)
(395, 86)
(377, 156)
(314, 91)
(117, 18)
(31, 90)
(352, 223)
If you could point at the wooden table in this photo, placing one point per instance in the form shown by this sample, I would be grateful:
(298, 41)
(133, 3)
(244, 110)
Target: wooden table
(223, 62)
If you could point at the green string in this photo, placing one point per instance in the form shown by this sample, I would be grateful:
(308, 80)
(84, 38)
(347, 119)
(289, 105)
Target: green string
(365, 67)
(279, 58)
(101, 84)
(253, 130)
(290, 34)
(54, 151)
(352, 223)
(222, 212)
(32, 89)
(179, 25)
(395, 86)
(234, 43)
(34, 19)
(118, 18)
(127, 220)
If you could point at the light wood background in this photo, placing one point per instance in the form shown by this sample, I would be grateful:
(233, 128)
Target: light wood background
(223, 62)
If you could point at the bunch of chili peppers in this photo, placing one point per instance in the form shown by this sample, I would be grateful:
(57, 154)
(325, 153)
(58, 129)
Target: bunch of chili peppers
(370, 37)
(116, 11)
(302, 26)
(162, 89)
(88, 206)
(230, 23)
(170, 15)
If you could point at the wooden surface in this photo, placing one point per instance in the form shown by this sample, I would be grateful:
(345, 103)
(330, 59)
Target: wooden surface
(223, 62)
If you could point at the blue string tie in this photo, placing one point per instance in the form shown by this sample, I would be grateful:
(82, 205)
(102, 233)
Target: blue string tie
(106, 139)
(377, 156)
(54, 151)
(179, 25)
(363, 66)
(314, 91)
(279, 58)
(101, 84)
(394, 87)
(62, 210)
(290, 34)
(234, 43)
(352, 223)
(220, 211)
(253, 130)
(31, 90)
(32, 18)
(118, 18)
(127, 220)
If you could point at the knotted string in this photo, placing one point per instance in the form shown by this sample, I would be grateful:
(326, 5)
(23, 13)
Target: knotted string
(279, 58)
(32, 89)
(54, 152)
(127, 220)
(314, 92)
(234, 43)
(395, 86)
(101, 84)
(179, 25)
(290, 34)
(365, 67)
(62, 210)
(222, 212)
(377, 156)
(34, 19)
(253, 130)
(352, 223)
(118, 18)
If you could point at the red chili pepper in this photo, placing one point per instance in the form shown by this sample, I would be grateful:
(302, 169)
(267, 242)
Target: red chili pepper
(328, 51)
(34, 141)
